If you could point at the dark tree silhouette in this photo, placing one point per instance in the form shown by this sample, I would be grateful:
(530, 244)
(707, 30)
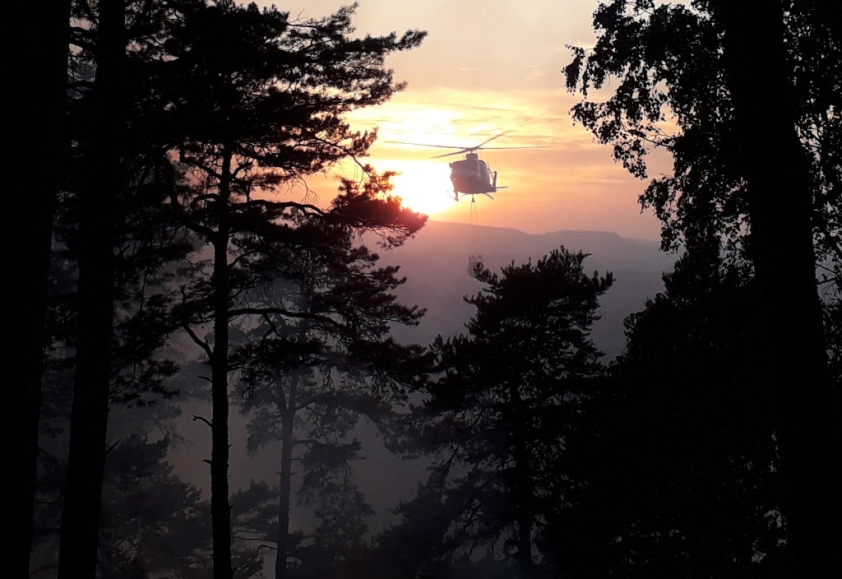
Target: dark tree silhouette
(109, 153)
(674, 463)
(499, 414)
(112, 192)
(648, 50)
(137, 388)
(833, 323)
(755, 151)
(38, 63)
(780, 208)
(89, 419)
(322, 358)
(141, 501)
(258, 102)
(337, 547)
(152, 523)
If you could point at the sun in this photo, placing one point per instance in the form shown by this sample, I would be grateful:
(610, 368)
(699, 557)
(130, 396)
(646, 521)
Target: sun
(423, 186)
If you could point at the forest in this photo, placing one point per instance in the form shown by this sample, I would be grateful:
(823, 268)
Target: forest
(157, 258)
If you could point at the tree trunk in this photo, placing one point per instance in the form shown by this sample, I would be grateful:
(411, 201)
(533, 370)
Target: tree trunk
(522, 490)
(287, 443)
(89, 417)
(220, 507)
(38, 99)
(523, 498)
(789, 310)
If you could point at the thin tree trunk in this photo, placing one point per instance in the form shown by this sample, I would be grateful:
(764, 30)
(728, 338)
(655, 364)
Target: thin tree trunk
(220, 507)
(789, 309)
(89, 417)
(523, 496)
(522, 488)
(287, 442)
(38, 99)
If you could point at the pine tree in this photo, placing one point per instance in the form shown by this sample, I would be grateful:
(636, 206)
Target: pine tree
(258, 101)
(500, 413)
(321, 358)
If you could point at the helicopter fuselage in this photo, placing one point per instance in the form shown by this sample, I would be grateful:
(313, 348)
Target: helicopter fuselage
(472, 176)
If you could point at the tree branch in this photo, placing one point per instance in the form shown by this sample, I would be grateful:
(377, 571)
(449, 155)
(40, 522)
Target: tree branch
(206, 421)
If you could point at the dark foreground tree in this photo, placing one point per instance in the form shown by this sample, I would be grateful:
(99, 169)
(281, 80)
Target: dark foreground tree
(675, 466)
(153, 524)
(102, 152)
(754, 138)
(138, 368)
(781, 212)
(321, 359)
(112, 224)
(38, 64)
(499, 416)
(106, 179)
(258, 101)
(101, 180)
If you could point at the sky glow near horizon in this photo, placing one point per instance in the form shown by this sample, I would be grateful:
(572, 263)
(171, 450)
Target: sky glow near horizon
(487, 67)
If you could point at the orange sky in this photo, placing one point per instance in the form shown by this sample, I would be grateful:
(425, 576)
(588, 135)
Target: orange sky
(489, 66)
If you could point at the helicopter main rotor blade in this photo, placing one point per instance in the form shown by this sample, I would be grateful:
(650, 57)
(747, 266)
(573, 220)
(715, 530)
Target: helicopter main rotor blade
(425, 145)
(491, 139)
(453, 153)
(463, 149)
(523, 147)
(470, 149)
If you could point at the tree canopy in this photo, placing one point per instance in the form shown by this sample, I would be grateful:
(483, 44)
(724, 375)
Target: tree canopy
(672, 93)
(499, 415)
(753, 127)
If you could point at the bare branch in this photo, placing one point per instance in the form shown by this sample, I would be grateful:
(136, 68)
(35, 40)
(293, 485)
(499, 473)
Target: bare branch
(206, 421)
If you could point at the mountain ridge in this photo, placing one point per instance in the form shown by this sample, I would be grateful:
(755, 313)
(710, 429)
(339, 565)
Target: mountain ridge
(435, 263)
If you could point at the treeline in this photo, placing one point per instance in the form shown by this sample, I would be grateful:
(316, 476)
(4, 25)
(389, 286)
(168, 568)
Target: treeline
(165, 258)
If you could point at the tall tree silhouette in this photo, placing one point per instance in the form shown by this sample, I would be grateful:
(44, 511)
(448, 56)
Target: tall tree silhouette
(110, 177)
(38, 64)
(260, 100)
(500, 411)
(322, 359)
(146, 240)
(755, 151)
(674, 466)
(780, 207)
(111, 141)
(89, 420)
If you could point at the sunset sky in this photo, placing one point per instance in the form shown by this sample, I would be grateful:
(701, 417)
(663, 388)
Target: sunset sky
(489, 66)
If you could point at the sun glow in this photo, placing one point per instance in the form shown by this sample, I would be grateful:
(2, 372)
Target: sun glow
(423, 186)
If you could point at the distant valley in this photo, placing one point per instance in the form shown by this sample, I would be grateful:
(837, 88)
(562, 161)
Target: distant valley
(435, 264)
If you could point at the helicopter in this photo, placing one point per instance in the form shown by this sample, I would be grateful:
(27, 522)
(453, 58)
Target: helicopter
(470, 176)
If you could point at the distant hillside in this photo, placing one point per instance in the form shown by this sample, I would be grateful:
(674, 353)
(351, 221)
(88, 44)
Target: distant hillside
(435, 263)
